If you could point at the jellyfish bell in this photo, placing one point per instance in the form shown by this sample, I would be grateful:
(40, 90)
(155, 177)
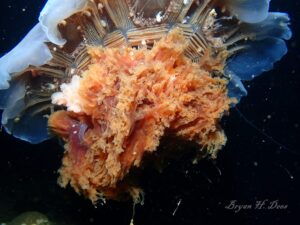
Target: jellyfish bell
(111, 77)
(249, 11)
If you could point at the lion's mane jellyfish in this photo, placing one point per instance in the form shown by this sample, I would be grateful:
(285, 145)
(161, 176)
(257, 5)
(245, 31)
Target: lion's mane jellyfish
(112, 77)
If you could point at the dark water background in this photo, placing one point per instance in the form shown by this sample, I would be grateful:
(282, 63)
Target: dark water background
(250, 168)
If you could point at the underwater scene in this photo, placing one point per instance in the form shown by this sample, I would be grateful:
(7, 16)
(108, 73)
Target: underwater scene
(149, 112)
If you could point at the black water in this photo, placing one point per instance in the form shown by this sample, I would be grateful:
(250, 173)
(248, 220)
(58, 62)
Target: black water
(250, 169)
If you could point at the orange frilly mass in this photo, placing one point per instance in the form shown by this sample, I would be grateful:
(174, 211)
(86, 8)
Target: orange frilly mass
(130, 98)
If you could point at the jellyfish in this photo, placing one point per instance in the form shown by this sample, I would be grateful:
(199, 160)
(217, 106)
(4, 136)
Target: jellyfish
(112, 77)
(30, 218)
